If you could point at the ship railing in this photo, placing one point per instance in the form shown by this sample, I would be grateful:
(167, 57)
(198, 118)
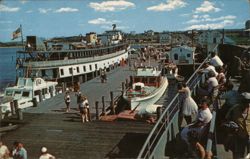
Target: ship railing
(71, 61)
(165, 121)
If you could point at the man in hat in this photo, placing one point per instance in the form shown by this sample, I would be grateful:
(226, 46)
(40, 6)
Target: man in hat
(45, 154)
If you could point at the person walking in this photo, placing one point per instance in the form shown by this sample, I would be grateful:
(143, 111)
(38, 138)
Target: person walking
(84, 109)
(45, 154)
(67, 101)
(189, 107)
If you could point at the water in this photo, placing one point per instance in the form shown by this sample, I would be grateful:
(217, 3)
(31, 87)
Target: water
(7, 66)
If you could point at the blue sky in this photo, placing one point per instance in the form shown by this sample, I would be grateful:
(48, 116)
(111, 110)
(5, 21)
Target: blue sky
(54, 18)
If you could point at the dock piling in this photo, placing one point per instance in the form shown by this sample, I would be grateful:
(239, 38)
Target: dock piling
(12, 107)
(103, 106)
(112, 103)
(97, 111)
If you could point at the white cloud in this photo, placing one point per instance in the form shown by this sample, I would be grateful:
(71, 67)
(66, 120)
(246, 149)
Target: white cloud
(4, 8)
(23, 1)
(29, 11)
(111, 5)
(207, 18)
(168, 6)
(67, 9)
(219, 25)
(44, 10)
(101, 21)
(207, 6)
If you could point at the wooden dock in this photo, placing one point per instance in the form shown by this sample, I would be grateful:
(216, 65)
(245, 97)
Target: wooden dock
(67, 138)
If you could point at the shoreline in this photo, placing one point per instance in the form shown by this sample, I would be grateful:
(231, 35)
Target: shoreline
(11, 46)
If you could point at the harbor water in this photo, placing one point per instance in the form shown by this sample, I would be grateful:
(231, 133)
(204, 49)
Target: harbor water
(7, 67)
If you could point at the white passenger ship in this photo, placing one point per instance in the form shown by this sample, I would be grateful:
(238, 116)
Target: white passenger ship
(70, 63)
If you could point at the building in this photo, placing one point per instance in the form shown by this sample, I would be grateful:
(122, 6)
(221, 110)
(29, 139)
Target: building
(165, 38)
(182, 55)
(209, 39)
(91, 38)
(111, 37)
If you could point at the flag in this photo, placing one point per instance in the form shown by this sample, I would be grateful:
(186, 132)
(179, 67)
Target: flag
(16, 33)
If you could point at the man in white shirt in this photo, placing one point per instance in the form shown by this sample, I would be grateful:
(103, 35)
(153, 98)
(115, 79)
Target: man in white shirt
(45, 154)
(204, 116)
(208, 67)
(215, 60)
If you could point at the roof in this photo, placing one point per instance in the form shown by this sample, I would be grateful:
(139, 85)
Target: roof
(148, 72)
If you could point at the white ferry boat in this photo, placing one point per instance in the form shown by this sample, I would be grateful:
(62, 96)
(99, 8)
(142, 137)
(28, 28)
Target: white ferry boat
(69, 63)
(27, 92)
(147, 87)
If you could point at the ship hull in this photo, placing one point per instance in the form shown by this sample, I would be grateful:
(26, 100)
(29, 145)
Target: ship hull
(145, 104)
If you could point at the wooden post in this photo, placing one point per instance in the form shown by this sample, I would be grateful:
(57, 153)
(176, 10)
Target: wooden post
(63, 88)
(15, 106)
(126, 85)
(19, 114)
(131, 81)
(40, 96)
(12, 109)
(103, 106)
(97, 111)
(123, 87)
(112, 103)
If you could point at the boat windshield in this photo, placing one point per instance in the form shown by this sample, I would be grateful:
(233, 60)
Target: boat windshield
(8, 93)
(17, 93)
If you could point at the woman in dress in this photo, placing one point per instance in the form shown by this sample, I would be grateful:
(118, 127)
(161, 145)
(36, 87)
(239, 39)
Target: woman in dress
(189, 107)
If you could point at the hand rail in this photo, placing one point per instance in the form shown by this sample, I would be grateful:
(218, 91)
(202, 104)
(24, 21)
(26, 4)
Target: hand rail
(147, 147)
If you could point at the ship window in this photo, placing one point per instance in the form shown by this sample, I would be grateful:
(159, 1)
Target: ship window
(90, 67)
(26, 94)
(180, 50)
(71, 70)
(17, 92)
(188, 55)
(62, 72)
(84, 68)
(176, 56)
(77, 69)
(96, 66)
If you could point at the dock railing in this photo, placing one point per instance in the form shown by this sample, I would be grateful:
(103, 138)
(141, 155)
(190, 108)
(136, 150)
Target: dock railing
(167, 121)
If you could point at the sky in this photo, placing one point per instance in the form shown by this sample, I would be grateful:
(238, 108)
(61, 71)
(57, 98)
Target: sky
(56, 18)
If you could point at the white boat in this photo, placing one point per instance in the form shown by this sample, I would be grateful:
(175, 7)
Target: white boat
(26, 92)
(147, 88)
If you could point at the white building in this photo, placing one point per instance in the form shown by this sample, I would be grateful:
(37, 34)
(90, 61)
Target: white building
(111, 37)
(165, 38)
(209, 39)
(182, 55)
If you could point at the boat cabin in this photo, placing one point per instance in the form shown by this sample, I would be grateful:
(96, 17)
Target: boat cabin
(148, 77)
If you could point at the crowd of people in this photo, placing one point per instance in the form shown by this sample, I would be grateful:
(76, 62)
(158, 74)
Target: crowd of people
(234, 112)
(19, 152)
